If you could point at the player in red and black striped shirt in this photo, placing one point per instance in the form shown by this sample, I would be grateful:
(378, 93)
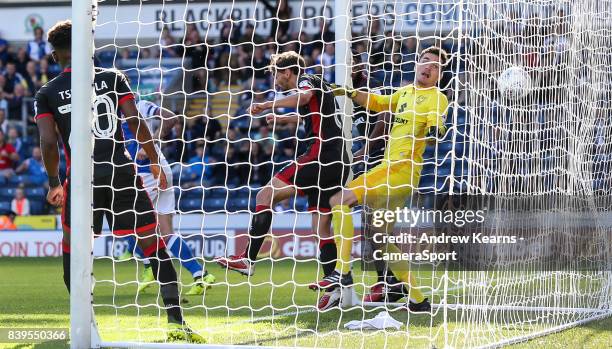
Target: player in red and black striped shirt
(319, 172)
(118, 192)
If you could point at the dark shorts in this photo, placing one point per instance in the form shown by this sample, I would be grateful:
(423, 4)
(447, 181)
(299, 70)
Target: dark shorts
(124, 202)
(319, 182)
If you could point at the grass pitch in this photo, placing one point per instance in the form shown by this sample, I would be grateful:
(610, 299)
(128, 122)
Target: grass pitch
(268, 309)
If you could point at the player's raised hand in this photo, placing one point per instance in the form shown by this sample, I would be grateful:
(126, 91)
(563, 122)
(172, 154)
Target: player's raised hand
(159, 174)
(55, 196)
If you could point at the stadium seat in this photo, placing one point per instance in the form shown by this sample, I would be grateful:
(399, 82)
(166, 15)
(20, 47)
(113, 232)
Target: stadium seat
(7, 193)
(239, 204)
(36, 193)
(37, 207)
(212, 205)
(217, 193)
(189, 205)
(5, 206)
(191, 193)
(20, 179)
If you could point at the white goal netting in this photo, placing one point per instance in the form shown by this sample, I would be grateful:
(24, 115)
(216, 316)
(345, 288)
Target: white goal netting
(205, 62)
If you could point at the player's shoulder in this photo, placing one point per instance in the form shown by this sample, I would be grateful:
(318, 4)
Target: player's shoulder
(441, 95)
(402, 89)
(307, 81)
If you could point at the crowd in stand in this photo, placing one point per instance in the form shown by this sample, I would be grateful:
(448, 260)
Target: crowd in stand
(205, 151)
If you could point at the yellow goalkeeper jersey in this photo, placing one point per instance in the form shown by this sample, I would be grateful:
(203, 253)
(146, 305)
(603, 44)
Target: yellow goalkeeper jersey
(414, 110)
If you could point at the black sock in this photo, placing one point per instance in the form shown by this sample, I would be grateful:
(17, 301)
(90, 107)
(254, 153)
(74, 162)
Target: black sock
(328, 255)
(164, 273)
(381, 270)
(66, 265)
(260, 226)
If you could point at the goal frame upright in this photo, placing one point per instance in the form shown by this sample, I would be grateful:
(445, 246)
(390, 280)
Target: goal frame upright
(81, 144)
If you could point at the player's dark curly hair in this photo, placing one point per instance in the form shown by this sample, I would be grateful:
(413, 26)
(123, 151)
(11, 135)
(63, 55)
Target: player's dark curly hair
(287, 60)
(436, 51)
(59, 36)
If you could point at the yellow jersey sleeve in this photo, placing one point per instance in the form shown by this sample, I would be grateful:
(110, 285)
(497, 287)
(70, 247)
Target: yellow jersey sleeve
(381, 103)
(437, 113)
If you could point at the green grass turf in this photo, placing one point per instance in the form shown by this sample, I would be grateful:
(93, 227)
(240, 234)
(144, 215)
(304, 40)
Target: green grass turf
(33, 295)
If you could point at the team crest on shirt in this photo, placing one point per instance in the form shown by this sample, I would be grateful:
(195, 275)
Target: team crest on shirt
(420, 99)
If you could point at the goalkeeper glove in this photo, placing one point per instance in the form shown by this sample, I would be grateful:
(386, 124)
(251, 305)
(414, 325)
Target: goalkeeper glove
(343, 91)
(434, 133)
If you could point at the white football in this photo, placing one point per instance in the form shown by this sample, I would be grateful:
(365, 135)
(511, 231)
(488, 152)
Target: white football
(514, 83)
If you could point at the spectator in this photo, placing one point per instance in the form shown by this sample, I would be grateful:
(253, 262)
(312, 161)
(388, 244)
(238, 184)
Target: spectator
(20, 204)
(260, 166)
(145, 53)
(282, 19)
(7, 221)
(33, 167)
(259, 65)
(125, 53)
(13, 78)
(197, 50)
(8, 157)
(38, 48)
(167, 43)
(4, 124)
(328, 60)
(21, 61)
(32, 78)
(12, 138)
(204, 129)
(249, 39)
(44, 73)
(4, 51)
(197, 173)
(174, 150)
(15, 103)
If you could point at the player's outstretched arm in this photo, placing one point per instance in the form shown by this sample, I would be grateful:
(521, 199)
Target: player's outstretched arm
(141, 131)
(371, 101)
(294, 101)
(284, 119)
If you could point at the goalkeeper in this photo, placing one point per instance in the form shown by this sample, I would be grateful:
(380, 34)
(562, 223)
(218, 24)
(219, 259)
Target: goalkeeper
(419, 111)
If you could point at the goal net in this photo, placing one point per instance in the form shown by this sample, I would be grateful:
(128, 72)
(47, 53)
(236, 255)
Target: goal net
(539, 167)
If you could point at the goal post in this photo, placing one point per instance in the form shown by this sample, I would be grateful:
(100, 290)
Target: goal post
(81, 239)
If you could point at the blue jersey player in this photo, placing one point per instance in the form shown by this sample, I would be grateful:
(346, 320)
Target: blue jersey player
(160, 121)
